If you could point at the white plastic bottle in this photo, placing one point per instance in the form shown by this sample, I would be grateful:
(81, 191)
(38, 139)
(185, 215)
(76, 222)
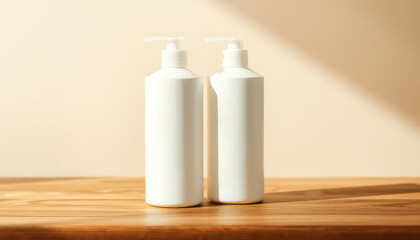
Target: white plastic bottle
(235, 129)
(173, 131)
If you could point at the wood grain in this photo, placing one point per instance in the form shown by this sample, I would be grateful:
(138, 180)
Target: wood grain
(109, 208)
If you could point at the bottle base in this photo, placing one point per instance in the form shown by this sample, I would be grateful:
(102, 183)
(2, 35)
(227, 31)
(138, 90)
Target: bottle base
(237, 202)
(183, 205)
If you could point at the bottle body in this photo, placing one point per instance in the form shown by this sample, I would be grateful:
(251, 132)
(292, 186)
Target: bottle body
(236, 136)
(173, 138)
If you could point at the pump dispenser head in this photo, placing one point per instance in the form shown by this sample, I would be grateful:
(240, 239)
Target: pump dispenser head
(173, 55)
(234, 55)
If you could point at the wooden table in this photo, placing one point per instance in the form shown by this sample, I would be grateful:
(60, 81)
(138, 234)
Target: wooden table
(114, 208)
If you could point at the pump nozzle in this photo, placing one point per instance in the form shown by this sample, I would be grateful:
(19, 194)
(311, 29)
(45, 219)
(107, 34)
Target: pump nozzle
(173, 55)
(233, 43)
(234, 55)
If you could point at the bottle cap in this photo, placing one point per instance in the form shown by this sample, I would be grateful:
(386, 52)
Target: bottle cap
(173, 55)
(234, 55)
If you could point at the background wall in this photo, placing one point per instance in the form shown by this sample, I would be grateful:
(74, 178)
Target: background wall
(342, 90)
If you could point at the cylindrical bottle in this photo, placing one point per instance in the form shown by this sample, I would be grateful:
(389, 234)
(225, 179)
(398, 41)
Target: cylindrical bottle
(235, 129)
(173, 132)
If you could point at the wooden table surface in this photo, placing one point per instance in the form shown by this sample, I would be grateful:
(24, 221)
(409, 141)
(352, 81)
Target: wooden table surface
(114, 208)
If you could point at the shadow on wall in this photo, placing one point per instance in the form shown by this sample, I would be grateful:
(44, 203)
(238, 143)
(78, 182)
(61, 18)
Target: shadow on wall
(374, 44)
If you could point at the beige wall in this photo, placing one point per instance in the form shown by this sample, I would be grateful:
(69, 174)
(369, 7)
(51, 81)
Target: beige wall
(342, 90)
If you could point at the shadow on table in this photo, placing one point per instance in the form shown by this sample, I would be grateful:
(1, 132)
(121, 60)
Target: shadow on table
(336, 193)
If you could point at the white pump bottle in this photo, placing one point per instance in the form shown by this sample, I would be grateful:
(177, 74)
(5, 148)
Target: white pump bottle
(173, 131)
(235, 129)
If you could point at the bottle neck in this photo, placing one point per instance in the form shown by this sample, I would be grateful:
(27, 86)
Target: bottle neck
(174, 58)
(235, 58)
